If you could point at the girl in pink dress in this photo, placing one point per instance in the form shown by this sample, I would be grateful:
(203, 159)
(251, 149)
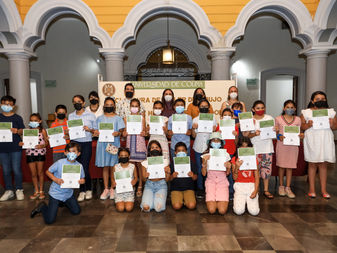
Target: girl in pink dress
(286, 155)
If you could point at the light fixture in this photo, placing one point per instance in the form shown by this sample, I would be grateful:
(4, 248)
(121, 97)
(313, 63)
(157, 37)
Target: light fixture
(168, 52)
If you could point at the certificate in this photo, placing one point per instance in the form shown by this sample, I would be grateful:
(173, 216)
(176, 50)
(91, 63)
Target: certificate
(134, 124)
(205, 123)
(246, 121)
(56, 137)
(123, 181)
(156, 125)
(217, 159)
(105, 132)
(227, 127)
(156, 167)
(71, 174)
(76, 130)
(247, 155)
(291, 135)
(320, 119)
(30, 138)
(6, 134)
(179, 123)
(267, 129)
(182, 165)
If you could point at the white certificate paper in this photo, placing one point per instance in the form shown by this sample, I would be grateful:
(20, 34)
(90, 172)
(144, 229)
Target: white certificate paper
(76, 130)
(266, 128)
(156, 167)
(71, 174)
(6, 134)
(123, 181)
(291, 135)
(247, 155)
(217, 159)
(320, 119)
(227, 127)
(56, 136)
(134, 124)
(105, 132)
(179, 123)
(205, 123)
(182, 165)
(30, 138)
(156, 125)
(246, 121)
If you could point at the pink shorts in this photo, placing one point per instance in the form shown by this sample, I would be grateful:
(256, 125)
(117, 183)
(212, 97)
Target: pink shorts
(217, 186)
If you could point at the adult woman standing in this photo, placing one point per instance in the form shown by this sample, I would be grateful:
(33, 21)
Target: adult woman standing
(193, 108)
(233, 97)
(167, 99)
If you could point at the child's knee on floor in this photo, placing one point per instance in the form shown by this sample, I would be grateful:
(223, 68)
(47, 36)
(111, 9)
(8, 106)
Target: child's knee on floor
(128, 207)
(191, 205)
(177, 206)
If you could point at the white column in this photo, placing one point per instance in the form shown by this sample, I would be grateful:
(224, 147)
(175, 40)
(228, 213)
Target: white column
(220, 63)
(19, 83)
(114, 65)
(316, 71)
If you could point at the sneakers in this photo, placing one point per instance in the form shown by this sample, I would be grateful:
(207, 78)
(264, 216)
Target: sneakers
(282, 191)
(9, 194)
(19, 194)
(88, 195)
(200, 194)
(105, 194)
(81, 197)
(112, 193)
(37, 209)
(289, 193)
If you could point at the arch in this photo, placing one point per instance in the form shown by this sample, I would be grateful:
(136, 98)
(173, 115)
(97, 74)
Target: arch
(146, 9)
(10, 23)
(323, 12)
(293, 11)
(43, 12)
(326, 28)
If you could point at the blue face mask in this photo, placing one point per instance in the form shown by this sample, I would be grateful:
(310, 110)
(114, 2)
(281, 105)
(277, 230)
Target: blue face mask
(71, 156)
(236, 113)
(181, 154)
(180, 109)
(216, 145)
(6, 108)
(33, 124)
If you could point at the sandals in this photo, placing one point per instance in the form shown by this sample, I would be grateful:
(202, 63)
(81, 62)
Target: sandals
(326, 195)
(34, 196)
(139, 192)
(312, 195)
(268, 195)
(42, 196)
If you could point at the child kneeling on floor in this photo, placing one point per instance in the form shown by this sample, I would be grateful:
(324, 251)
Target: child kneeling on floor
(58, 194)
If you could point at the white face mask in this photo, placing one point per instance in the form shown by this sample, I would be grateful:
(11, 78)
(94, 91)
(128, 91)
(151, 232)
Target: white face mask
(157, 112)
(233, 95)
(168, 98)
(226, 117)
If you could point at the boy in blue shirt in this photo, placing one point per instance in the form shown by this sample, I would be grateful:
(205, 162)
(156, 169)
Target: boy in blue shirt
(57, 194)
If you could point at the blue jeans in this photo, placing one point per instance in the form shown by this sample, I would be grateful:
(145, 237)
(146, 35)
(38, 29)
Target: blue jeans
(198, 162)
(231, 184)
(84, 159)
(50, 212)
(154, 195)
(11, 162)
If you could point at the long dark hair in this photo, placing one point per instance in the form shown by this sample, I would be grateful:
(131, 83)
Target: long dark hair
(204, 100)
(39, 117)
(313, 95)
(241, 140)
(195, 101)
(163, 97)
(149, 147)
(289, 101)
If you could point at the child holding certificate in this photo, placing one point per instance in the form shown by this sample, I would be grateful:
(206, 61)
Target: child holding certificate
(246, 184)
(287, 155)
(182, 179)
(319, 146)
(155, 190)
(217, 194)
(136, 142)
(58, 194)
(106, 151)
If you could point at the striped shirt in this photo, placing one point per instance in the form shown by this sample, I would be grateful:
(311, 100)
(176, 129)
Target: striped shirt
(89, 120)
(56, 123)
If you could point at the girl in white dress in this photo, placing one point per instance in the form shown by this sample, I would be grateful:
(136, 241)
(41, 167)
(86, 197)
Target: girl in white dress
(319, 146)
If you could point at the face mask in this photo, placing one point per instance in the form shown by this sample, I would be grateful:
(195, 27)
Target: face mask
(181, 154)
(109, 109)
(78, 106)
(157, 112)
(260, 112)
(216, 145)
(203, 110)
(94, 101)
(71, 156)
(321, 104)
(33, 124)
(123, 159)
(236, 113)
(61, 116)
(290, 111)
(168, 98)
(233, 95)
(134, 109)
(129, 94)
(199, 96)
(180, 109)
(6, 108)
(155, 152)
(227, 117)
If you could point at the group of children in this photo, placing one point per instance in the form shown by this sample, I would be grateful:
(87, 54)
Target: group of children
(219, 186)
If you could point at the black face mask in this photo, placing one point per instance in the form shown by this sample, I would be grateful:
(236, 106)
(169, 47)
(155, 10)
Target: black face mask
(61, 116)
(94, 101)
(199, 96)
(321, 104)
(129, 94)
(123, 159)
(78, 106)
(203, 110)
(109, 109)
(155, 152)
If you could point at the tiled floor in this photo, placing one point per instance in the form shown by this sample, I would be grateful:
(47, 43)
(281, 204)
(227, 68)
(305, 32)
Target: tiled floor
(284, 225)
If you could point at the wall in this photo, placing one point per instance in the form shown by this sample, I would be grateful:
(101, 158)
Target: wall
(332, 82)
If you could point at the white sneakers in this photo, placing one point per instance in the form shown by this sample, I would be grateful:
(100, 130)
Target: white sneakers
(112, 193)
(105, 194)
(9, 194)
(281, 191)
(88, 195)
(84, 195)
(286, 191)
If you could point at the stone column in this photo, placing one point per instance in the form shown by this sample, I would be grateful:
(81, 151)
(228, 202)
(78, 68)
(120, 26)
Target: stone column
(114, 64)
(220, 63)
